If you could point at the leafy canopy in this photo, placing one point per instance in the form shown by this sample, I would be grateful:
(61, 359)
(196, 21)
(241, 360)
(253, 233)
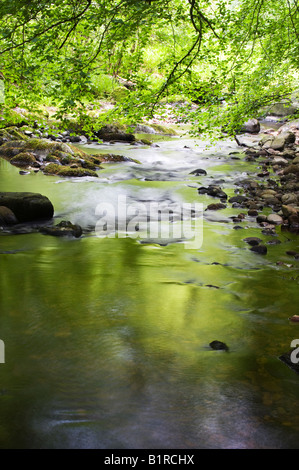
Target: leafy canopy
(231, 57)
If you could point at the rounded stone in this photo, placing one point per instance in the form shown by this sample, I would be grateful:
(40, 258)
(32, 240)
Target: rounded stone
(7, 217)
(274, 219)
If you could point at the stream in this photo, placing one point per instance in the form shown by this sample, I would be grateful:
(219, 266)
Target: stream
(107, 338)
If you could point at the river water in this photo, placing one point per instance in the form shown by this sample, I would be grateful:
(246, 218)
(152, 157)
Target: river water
(107, 338)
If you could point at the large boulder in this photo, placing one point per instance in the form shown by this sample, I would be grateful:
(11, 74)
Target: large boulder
(114, 133)
(252, 126)
(27, 206)
(282, 109)
(277, 142)
(56, 158)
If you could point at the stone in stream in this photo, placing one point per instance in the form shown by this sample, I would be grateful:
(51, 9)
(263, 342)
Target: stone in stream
(213, 190)
(294, 318)
(252, 126)
(218, 346)
(63, 229)
(274, 219)
(252, 241)
(289, 198)
(295, 254)
(216, 207)
(27, 206)
(261, 218)
(260, 249)
(238, 199)
(252, 212)
(198, 172)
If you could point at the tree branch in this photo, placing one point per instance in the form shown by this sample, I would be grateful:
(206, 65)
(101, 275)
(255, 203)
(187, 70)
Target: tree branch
(40, 33)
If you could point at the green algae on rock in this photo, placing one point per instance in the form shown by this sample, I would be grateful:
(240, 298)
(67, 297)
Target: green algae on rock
(23, 159)
(59, 170)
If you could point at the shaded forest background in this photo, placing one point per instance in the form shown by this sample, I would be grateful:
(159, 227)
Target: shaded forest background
(72, 59)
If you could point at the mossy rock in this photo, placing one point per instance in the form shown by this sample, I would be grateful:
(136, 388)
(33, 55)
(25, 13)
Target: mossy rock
(111, 158)
(89, 165)
(60, 155)
(67, 171)
(116, 132)
(23, 159)
(43, 147)
(146, 142)
(163, 129)
(8, 150)
(119, 93)
(12, 133)
(51, 159)
(12, 117)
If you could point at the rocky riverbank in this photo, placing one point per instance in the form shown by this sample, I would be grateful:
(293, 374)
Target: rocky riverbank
(29, 152)
(275, 153)
(35, 150)
(271, 195)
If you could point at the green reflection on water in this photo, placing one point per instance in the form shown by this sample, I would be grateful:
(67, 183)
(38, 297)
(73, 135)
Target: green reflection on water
(107, 340)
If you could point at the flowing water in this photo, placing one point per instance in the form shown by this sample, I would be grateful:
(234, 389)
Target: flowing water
(107, 339)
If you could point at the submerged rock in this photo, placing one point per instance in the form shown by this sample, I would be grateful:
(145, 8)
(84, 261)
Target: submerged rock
(289, 360)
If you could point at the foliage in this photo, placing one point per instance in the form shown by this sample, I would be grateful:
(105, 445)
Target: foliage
(229, 56)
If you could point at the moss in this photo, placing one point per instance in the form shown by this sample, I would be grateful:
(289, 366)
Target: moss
(12, 117)
(163, 129)
(146, 141)
(76, 151)
(39, 144)
(119, 93)
(12, 133)
(23, 159)
(89, 165)
(111, 158)
(51, 158)
(54, 169)
(9, 150)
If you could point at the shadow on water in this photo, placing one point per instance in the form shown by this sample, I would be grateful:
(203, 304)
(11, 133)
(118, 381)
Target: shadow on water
(107, 339)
